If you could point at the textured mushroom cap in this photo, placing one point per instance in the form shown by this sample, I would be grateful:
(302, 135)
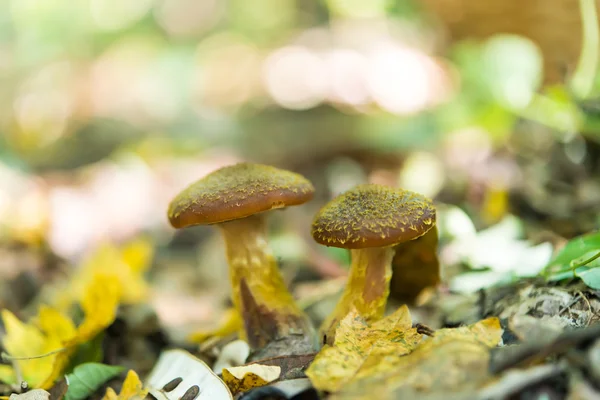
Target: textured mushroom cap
(238, 191)
(373, 216)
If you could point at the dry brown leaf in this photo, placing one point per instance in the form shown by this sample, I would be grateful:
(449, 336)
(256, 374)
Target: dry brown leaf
(244, 378)
(355, 341)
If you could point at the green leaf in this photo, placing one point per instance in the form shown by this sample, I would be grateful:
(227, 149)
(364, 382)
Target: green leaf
(514, 65)
(88, 352)
(567, 274)
(576, 248)
(591, 278)
(87, 378)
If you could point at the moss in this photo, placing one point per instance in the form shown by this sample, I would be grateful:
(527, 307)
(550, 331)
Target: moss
(238, 191)
(372, 216)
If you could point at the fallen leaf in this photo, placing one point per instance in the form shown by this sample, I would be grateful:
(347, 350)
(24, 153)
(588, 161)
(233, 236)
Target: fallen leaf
(59, 390)
(43, 348)
(132, 389)
(127, 265)
(35, 394)
(41, 341)
(138, 254)
(453, 360)
(189, 371)
(293, 387)
(293, 366)
(87, 378)
(233, 354)
(244, 378)
(230, 323)
(99, 306)
(7, 375)
(541, 330)
(591, 277)
(355, 341)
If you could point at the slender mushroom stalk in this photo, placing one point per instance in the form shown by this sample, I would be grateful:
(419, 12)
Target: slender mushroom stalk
(236, 198)
(367, 287)
(252, 266)
(369, 220)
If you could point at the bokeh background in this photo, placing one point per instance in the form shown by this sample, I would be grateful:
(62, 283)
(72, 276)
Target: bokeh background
(108, 108)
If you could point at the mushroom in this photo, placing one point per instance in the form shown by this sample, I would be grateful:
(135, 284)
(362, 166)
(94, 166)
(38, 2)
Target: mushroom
(408, 283)
(369, 220)
(235, 198)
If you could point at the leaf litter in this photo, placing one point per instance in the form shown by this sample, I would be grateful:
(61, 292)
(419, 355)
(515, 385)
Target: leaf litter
(401, 359)
(355, 341)
(389, 358)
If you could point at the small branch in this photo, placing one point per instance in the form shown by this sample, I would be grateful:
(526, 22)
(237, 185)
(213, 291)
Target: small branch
(585, 262)
(8, 357)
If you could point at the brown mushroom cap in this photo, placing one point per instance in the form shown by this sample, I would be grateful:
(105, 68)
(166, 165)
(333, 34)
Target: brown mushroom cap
(373, 216)
(238, 191)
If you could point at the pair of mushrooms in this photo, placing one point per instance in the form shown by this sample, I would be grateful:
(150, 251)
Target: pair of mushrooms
(369, 220)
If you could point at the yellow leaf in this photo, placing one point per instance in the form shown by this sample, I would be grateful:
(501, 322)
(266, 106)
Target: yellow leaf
(57, 326)
(495, 205)
(355, 341)
(110, 394)
(230, 323)
(99, 306)
(7, 374)
(127, 265)
(43, 347)
(132, 389)
(138, 254)
(242, 379)
(453, 360)
(42, 342)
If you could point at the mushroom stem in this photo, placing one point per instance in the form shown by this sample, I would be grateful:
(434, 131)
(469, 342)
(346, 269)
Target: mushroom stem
(258, 290)
(367, 288)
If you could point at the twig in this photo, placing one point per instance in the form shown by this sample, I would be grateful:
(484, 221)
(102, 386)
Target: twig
(571, 304)
(589, 308)
(18, 375)
(8, 357)
(585, 262)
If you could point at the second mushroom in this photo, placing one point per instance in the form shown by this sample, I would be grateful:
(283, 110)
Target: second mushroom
(369, 220)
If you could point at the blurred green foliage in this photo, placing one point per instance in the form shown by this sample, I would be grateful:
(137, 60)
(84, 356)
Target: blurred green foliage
(164, 49)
